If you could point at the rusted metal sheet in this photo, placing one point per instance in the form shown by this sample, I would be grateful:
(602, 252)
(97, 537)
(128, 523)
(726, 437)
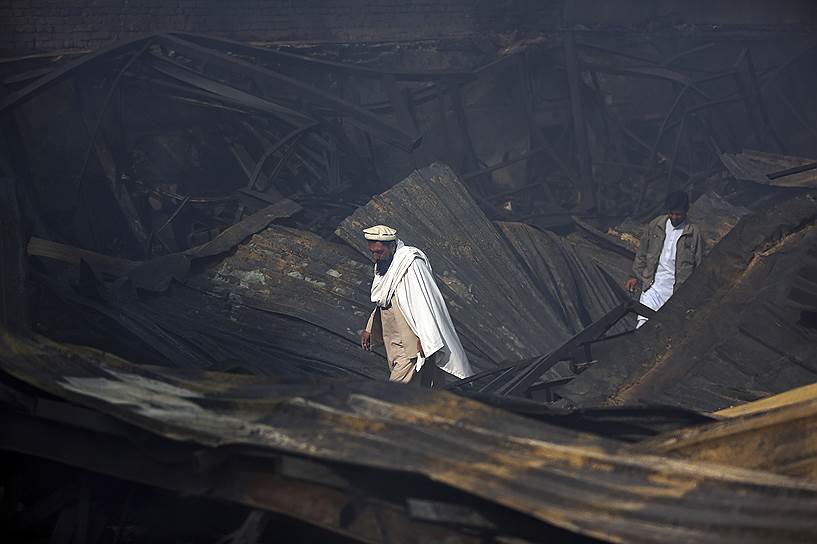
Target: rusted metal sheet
(284, 273)
(579, 482)
(233, 331)
(83, 440)
(738, 330)
(296, 276)
(286, 303)
(577, 287)
(497, 309)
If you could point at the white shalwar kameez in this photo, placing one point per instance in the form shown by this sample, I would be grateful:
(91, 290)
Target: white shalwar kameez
(661, 289)
(419, 299)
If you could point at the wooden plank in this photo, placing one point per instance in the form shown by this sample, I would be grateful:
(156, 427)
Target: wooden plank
(237, 233)
(793, 396)
(777, 435)
(114, 266)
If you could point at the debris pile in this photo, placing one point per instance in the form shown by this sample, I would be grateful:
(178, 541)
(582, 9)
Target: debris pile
(742, 331)
(387, 463)
(183, 269)
(155, 145)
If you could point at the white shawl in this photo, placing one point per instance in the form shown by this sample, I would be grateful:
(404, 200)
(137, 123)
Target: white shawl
(419, 299)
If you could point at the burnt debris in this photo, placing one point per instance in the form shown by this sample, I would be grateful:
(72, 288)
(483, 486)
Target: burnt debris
(184, 284)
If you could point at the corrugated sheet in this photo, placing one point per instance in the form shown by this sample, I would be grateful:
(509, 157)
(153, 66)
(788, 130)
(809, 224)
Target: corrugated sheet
(779, 439)
(320, 288)
(578, 288)
(289, 303)
(576, 481)
(496, 307)
(738, 330)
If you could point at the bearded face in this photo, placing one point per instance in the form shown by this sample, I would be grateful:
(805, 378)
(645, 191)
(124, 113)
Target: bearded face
(382, 254)
(382, 267)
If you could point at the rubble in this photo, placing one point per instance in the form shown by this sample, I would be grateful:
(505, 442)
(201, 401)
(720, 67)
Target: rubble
(741, 331)
(502, 308)
(185, 276)
(361, 459)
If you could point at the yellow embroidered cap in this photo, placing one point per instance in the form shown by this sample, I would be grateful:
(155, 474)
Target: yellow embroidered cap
(380, 233)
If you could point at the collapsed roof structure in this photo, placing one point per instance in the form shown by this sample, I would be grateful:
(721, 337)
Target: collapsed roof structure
(184, 287)
(747, 322)
(306, 450)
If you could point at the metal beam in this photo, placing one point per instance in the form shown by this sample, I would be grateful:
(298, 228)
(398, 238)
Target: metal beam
(364, 118)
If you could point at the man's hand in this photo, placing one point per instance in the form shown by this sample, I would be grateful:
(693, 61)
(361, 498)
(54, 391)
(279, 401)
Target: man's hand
(366, 341)
(631, 284)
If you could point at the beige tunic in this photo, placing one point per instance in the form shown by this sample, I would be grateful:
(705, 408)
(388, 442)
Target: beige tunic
(402, 347)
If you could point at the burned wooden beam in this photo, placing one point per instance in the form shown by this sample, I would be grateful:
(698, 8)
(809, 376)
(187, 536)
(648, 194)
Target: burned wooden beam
(774, 434)
(114, 266)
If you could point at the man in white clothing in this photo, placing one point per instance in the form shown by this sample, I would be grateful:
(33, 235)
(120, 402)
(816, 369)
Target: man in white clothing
(670, 249)
(410, 316)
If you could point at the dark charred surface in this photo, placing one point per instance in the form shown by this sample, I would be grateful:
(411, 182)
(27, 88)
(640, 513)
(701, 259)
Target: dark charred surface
(171, 198)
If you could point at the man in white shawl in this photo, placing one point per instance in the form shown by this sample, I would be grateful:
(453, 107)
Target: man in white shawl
(410, 316)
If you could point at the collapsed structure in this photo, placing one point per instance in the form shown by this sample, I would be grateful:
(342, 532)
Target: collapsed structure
(184, 288)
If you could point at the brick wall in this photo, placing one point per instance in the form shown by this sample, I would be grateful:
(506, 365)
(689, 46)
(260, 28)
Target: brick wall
(66, 24)
(59, 24)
